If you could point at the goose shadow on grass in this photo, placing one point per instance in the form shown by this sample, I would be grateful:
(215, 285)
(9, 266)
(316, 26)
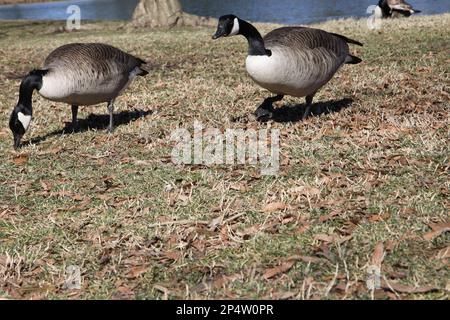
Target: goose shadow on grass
(93, 122)
(294, 113)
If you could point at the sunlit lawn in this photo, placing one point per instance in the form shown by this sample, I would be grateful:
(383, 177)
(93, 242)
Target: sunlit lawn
(370, 168)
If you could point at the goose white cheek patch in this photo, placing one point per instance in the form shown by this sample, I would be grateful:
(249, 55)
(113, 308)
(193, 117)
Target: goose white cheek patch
(378, 12)
(235, 29)
(24, 119)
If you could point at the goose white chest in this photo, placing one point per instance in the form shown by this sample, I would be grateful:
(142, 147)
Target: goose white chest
(267, 70)
(55, 87)
(283, 73)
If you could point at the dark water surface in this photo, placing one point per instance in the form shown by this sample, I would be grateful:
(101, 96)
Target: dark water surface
(279, 11)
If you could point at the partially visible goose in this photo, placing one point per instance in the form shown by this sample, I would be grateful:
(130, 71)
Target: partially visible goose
(80, 75)
(394, 8)
(295, 61)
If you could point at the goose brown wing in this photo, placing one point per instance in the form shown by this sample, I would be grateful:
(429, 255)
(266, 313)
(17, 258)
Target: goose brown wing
(95, 58)
(301, 39)
(400, 5)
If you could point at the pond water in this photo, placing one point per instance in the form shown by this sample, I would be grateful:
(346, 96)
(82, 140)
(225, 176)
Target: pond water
(278, 11)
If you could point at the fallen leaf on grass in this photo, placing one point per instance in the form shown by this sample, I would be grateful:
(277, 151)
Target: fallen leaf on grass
(4, 133)
(136, 272)
(173, 255)
(124, 293)
(401, 288)
(46, 185)
(378, 217)
(163, 290)
(282, 268)
(219, 282)
(306, 191)
(332, 238)
(21, 159)
(330, 216)
(302, 229)
(67, 194)
(53, 151)
(378, 255)
(438, 229)
(274, 206)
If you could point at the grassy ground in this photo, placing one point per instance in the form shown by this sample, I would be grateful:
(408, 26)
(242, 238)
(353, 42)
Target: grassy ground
(366, 183)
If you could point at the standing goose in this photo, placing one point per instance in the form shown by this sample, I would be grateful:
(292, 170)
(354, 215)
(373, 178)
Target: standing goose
(295, 61)
(394, 8)
(80, 75)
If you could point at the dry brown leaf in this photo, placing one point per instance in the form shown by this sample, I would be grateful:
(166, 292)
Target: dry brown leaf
(21, 159)
(438, 229)
(332, 238)
(282, 268)
(137, 272)
(239, 186)
(306, 191)
(378, 218)
(46, 185)
(330, 216)
(53, 151)
(378, 255)
(274, 206)
(124, 293)
(218, 282)
(401, 288)
(173, 255)
(163, 290)
(77, 197)
(303, 228)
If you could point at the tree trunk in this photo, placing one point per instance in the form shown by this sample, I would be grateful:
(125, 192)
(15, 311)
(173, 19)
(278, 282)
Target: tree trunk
(165, 13)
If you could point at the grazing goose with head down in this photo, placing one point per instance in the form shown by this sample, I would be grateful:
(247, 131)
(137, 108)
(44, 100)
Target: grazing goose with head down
(80, 75)
(394, 8)
(295, 61)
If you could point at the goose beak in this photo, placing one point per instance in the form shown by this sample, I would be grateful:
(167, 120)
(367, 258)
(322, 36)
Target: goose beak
(219, 34)
(17, 140)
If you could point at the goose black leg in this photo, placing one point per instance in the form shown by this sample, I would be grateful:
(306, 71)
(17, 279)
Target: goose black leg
(265, 111)
(74, 118)
(309, 101)
(111, 116)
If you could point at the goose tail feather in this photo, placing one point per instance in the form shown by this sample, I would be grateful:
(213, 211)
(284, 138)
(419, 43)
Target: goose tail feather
(143, 72)
(348, 40)
(352, 60)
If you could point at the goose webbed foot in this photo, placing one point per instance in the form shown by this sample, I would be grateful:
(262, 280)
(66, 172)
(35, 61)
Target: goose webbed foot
(265, 111)
(308, 108)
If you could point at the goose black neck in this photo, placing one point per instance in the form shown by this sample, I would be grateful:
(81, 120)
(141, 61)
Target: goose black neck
(255, 40)
(30, 83)
(384, 6)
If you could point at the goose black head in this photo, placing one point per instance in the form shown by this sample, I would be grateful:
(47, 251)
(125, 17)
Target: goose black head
(19, 123)
(21, 116)
(386, 10)
(228, 26)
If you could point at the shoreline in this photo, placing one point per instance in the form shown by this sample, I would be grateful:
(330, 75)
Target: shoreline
(10, 2)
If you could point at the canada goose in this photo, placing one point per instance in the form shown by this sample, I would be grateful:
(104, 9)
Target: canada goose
(80, 75)
(295, 61)
(394, 8)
